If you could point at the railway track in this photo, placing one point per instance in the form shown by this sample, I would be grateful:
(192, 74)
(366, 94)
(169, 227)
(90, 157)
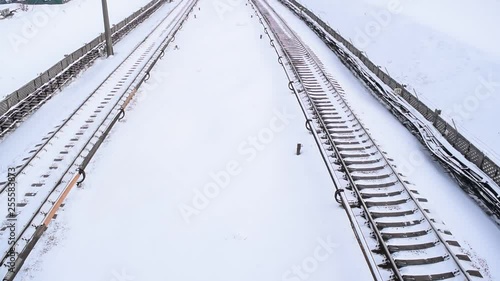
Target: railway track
(12, 118)
(399, 237)
(481, 186)
(45, 174)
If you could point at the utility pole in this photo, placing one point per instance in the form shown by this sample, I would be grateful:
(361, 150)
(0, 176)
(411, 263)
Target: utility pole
(107, 31)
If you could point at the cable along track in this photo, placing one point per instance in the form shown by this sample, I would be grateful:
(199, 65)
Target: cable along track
(398, 236)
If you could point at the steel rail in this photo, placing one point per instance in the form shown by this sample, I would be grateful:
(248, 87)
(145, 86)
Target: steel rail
(120, 106)
(352, 183)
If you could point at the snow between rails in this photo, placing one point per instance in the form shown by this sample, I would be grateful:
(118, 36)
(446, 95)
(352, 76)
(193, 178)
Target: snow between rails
(220, 180)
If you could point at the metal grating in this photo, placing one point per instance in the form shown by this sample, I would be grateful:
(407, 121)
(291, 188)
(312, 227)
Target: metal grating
(55, 69)
(45, 78)
(430, 115)
(413, 102)
(440, 125)
(3, 107)
(475, 155)
(25, 91)
(497, 179)
(11, 100)
(489, 167)
(386, 79)
(421, 107)
(15, 97)
(461, 144)
(450, 134)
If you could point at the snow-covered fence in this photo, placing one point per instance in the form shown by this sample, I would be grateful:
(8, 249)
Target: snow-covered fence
(32, 86)
(457, 140)
(4, 12)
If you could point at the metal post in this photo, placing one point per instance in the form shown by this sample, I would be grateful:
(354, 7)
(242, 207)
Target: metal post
(107, 31)
(387, 71)
(416, 94)
(299, 146)
(454, 125)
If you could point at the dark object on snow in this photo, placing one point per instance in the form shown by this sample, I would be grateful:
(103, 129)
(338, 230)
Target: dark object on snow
(299, 147)
(5, 13)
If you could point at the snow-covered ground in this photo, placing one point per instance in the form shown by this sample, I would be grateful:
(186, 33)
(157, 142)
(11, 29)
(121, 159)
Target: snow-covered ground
(10, 6)
(201, 180)
(33, 41)
(448, 51)
(447, 202)
(15, 146)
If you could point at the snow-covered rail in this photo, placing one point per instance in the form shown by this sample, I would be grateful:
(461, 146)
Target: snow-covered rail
(475, 172)
(397, 233)
(44, 178)
(23, 102)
